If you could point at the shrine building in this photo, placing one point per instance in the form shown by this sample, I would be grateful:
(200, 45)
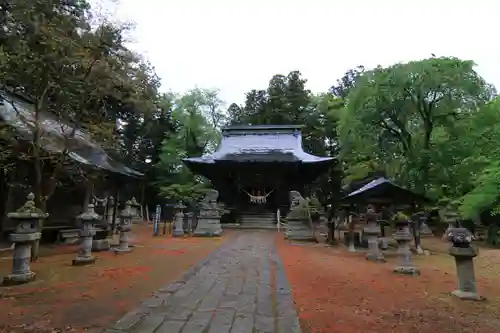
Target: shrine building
(255, 167)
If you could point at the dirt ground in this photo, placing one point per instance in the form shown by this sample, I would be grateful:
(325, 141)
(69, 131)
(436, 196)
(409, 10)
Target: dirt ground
(65, 298)
(340, 292)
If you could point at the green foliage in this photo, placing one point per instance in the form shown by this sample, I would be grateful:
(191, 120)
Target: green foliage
(75, 67)
(197, 116)
(394, 114)
(400, 216)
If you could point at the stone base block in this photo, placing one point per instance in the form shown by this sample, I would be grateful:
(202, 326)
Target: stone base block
(300, 235)
(299, 230)
(118, 250)
(16, 279)
(208, 227)
(207, 233)
(351, 248)
(177, 233)
(83, 261)
(468, 296)
(100, 245)
(406, 270)
(375, 257)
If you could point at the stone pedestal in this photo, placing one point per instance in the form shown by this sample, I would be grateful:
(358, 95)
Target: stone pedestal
(178, 220)
(209, 218)
(88, 220)
(464, 254)
(208, 226)
(298, 229)
(371, 232)
(124, 228)
(404, 237)
(99, 245)
(25, 234)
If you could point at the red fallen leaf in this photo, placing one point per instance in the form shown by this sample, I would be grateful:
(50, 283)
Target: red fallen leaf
(335, 291)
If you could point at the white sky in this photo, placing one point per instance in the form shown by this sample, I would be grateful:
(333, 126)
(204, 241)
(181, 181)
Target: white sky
(238, 45)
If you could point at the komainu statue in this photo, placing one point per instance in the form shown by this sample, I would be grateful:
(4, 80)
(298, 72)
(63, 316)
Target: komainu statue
(209, 218)
(209, 200)
(298, 219)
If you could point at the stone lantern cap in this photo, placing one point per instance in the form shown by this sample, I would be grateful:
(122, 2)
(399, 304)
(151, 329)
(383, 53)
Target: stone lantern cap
(180, 205)
(133, 202)
(28, 211)
(127, 211)
(460, 237)
(89, 215)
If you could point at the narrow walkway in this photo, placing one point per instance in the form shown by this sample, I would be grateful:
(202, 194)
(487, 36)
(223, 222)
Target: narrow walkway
(239, 288)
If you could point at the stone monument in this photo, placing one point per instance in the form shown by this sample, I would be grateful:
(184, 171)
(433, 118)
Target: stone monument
(209, 217)
(371, 232)
(88, 220)
(464, 254)
(298, 223)
(351, 229)
(178, 220)
(25, 234)
(124, 228)
(403, 236)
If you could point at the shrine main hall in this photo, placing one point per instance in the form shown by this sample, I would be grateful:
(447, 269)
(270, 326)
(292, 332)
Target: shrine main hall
(255, 167)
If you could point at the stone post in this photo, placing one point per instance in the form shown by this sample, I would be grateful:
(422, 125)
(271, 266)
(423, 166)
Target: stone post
(351, 228)
(371, 231)
(178, 220)
(88, 220)
(190, 217)
(27, 217)
(464, 254)
(124, 228)
(404, 237)
(209, 216)
(109, 212)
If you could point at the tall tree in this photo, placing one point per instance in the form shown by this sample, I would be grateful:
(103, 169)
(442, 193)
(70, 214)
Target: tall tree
(197, 116)
(392, 113)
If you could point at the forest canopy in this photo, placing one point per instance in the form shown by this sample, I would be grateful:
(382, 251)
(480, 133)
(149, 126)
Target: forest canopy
(430, 125)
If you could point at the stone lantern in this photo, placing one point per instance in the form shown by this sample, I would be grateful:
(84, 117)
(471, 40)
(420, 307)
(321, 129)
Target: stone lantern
(464, 254)
(178, 220)
(88, 220)
(371, 232)
(403, 236)
(136, 210)
(209, 218)
(124, 228)
(452, 218)
(25, 234)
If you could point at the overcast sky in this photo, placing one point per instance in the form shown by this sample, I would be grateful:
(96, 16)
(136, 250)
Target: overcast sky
(238, 45)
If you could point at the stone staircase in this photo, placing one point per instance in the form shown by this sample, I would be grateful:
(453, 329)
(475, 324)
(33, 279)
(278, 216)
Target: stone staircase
(258, 220)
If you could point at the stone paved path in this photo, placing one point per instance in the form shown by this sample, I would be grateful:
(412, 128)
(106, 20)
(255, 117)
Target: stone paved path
(239, 288)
